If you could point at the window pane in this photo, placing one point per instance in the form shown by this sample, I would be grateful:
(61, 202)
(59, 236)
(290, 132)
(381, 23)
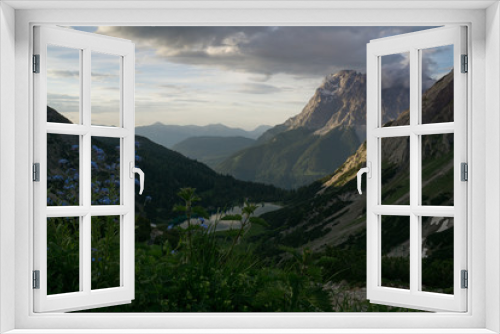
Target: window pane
(105, 91)
(395, 232)
(63, 255)
(437, 254)
(105, 171)
(63, 170)
(63, 84)
(395, 94)
(105, 252)
(437, 84)
(437, 169)
(395, 170)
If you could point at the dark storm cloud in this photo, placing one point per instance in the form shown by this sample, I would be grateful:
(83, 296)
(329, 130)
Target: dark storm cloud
(300, 51)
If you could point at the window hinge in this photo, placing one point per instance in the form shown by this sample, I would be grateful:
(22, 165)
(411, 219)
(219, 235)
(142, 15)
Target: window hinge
(36, 279)
(465, 64)
(464, 171)
(36, 172)
(464, 279)
(36, 63)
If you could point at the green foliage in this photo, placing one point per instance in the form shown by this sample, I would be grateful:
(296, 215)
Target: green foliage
(105, 242)
(63, 269)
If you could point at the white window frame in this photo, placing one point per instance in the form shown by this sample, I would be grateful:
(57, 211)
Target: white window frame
(483, 20)
(124, 52)
(412, 44)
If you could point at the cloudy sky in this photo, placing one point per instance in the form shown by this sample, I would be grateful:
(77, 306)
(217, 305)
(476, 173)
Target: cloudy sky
(239, 76)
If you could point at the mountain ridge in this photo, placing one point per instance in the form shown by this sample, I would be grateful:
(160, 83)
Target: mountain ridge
(170, 135)
(211, 150)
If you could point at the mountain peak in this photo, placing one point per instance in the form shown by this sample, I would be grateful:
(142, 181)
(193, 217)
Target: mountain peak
(339, 101)
(341, 73)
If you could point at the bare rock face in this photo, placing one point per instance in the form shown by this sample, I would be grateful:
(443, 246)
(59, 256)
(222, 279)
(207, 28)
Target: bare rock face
(340, 101)
(437, 106)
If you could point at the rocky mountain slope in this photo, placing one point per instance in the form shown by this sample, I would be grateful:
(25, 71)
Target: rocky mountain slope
(331, 212)
(318, 140)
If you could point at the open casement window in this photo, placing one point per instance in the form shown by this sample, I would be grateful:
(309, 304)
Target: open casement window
(416, 190)
(83, 170)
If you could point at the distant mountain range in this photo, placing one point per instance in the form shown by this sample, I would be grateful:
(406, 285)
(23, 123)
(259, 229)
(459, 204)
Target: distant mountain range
(166, 172)
(212, 150)
(170, 135)
(317, 141)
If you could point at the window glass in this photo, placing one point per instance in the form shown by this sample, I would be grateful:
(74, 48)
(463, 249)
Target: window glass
(437, 84)
(395, 232)
(395, 170)
(63, 84)
(437, 254)
(105, 252)
(437, 170)
(106, 89)
(105, 167)
(63, 170)
(63, 255)
(395, 85)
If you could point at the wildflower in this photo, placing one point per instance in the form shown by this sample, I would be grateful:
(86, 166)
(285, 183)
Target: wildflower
(170, 227)
(74, 147)
(94, 165)
(173, 252)
(93, 259)
(57, 178)
(205, 226)
(105, 190)
(137, 144)
(59, 192)
(148, 199)
(63, 161)
(138, 158)
(137, 182)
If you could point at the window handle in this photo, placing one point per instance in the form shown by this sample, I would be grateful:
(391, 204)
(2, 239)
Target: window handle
(139, 171)
(368, 171)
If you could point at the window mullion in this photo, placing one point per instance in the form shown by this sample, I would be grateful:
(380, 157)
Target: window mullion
(86, 172)
(414, 170)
